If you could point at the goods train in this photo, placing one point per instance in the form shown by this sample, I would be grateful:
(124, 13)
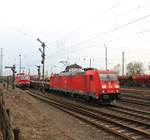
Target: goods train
(22, 80)
(135, 80)
(92, 84)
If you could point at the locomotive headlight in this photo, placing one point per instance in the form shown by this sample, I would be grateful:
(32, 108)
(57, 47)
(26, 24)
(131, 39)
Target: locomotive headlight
(103, 86)
(103, 91)
(116, 86)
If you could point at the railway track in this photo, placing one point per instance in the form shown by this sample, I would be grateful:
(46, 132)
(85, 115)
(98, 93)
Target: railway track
(134, 100)
(136, 96)
(131, 111)
(136, 91)
(114, 121)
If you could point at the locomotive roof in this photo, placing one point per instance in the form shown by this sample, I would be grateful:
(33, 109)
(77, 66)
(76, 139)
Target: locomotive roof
(83, 72)
(20, 73)
(106, 71)
(71, 73)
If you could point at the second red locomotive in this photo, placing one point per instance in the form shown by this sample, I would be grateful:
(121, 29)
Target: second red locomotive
(22, 80)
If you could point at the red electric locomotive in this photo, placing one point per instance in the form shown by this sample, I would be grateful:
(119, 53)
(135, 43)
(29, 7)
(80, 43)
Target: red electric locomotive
(22, 80)
(101, 85)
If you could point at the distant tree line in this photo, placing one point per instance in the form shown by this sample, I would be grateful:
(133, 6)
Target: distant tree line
(132, 68)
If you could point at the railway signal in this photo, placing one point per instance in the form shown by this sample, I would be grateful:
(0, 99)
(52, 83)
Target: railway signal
(13, 68)
(39, 71)
(42, 54)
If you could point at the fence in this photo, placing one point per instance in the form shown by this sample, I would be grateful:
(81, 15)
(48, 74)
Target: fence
(8, 133)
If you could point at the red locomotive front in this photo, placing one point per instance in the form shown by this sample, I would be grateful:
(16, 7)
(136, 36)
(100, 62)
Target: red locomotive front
(109, 85)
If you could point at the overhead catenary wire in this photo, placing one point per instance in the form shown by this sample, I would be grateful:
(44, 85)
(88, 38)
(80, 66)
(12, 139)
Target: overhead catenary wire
(136, 20)
(112, 30)
(135, 8)
(103, 42)
(29, 34)
(116, 61)
(107, 32)
(108, 10)
(97, 15)
(104, 12)
(119, 27)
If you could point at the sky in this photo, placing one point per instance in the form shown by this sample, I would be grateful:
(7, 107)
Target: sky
(74, 31)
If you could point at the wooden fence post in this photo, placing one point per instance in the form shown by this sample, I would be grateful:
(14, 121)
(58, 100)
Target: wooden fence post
(16, 133)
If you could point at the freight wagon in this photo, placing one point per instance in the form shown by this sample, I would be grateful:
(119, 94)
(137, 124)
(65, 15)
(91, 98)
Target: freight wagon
(138, 80)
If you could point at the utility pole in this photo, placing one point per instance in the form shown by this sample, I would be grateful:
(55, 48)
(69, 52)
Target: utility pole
(19, 63)
(105, 56)
(122, 63)
(28, 71)
(13, 68)
(90, 63)
(43, 55)
(1, 63)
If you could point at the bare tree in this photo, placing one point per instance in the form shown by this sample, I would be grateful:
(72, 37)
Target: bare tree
(135, 68)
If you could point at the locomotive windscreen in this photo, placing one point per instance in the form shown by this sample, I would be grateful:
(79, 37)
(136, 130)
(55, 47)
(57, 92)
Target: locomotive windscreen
(108, 77)
(25, 77)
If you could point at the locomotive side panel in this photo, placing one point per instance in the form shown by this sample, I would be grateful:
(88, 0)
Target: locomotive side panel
(77, 83)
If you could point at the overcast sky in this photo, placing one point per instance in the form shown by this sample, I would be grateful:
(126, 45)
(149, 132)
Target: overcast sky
(74, 30)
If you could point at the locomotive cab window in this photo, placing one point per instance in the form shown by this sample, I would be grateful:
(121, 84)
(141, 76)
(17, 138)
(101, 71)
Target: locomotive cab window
(25, 77)
(108, 77)
(91, 78)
